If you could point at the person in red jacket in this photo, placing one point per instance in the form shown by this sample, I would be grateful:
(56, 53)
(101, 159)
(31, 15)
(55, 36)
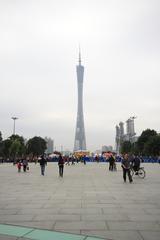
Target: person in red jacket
(19, 165)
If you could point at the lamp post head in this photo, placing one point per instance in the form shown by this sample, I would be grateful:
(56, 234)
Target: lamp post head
(14, 118)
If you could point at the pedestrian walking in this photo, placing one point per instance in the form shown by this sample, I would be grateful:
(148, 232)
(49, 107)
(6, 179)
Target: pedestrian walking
(19, 165)
(25, 164)
(84, 159)
(111, 161)
(96, 159)
(60, 165)
(126, 165)
(43, 163)
(72, 160)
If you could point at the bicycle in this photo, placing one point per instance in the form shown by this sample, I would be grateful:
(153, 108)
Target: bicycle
(140, 173)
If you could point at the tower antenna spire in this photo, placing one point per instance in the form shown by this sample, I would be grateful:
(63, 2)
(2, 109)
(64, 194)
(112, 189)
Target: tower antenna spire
(79, 55)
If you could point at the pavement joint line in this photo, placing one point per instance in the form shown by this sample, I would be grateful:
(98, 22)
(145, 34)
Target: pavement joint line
(28, 232)
(139, 232)
(16, 233)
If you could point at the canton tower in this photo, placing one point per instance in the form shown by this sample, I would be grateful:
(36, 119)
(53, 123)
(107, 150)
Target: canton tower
(80, 139)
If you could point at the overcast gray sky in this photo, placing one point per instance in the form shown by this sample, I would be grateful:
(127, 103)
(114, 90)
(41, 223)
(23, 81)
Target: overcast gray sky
(120, 47)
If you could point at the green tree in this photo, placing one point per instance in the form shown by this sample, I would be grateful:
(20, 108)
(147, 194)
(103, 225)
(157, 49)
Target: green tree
(17, 137)
(19, 143)
(1, 144)
(36, 146)
(134, 148)
(0, 136)
(13, 147)
(126, 147)
(144, 138)
(6, 146)
(152, 146)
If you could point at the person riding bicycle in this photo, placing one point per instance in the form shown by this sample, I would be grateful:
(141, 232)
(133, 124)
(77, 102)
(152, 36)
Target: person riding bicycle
(136, 164)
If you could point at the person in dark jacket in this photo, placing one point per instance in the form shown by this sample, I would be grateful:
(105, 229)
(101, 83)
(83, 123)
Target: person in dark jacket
(61, 165)
(42, 163)
(111, 161)
(25, 164)
(126, 165)
(136, 164)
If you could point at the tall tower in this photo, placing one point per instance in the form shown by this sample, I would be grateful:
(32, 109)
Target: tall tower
(80, 139)
(117, 139)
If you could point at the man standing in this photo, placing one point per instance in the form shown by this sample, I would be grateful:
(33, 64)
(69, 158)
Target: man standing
(61, 165)
(111, 161)
(126, 168)
(43, 163)
(25, 164)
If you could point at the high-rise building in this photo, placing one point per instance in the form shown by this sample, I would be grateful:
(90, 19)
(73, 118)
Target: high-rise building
(80, 139)
(129, 136)
(130, 127)
(121, 128)
(50, 145)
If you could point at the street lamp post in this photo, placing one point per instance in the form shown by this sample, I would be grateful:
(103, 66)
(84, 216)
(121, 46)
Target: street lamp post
(14, 124)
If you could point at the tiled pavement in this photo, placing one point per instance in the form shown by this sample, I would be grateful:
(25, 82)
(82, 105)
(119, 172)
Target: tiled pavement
(23, 233)
(89, 201)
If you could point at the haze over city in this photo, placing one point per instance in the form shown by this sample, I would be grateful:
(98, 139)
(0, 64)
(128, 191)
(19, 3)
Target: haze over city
(120, 52)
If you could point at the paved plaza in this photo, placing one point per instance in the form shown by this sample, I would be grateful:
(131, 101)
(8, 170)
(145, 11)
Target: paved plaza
(89, 201)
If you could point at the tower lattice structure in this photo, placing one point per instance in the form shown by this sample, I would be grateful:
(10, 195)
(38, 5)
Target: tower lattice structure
(80, 138)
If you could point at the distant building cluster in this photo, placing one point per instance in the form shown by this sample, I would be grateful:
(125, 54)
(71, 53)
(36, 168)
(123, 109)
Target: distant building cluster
(50, 145)
(107, 148)
(104, 149)
(121, 136)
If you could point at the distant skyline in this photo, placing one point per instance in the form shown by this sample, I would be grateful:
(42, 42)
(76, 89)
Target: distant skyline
(39, 48)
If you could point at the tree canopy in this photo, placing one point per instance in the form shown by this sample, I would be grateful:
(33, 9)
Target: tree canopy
(36, 146)
(126, 147)
(144, 138)
(1, 144)
(148, 144)
(13, 147)
(152, 146)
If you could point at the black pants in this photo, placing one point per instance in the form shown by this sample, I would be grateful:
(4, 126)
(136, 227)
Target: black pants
(135, 168)
(111, 164)
(61, 166)
(24, 168)
(42, 169)
(127, 172)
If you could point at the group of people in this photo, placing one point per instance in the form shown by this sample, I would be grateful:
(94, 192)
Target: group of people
(127, 162)
(22, 164)
(43, 163)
